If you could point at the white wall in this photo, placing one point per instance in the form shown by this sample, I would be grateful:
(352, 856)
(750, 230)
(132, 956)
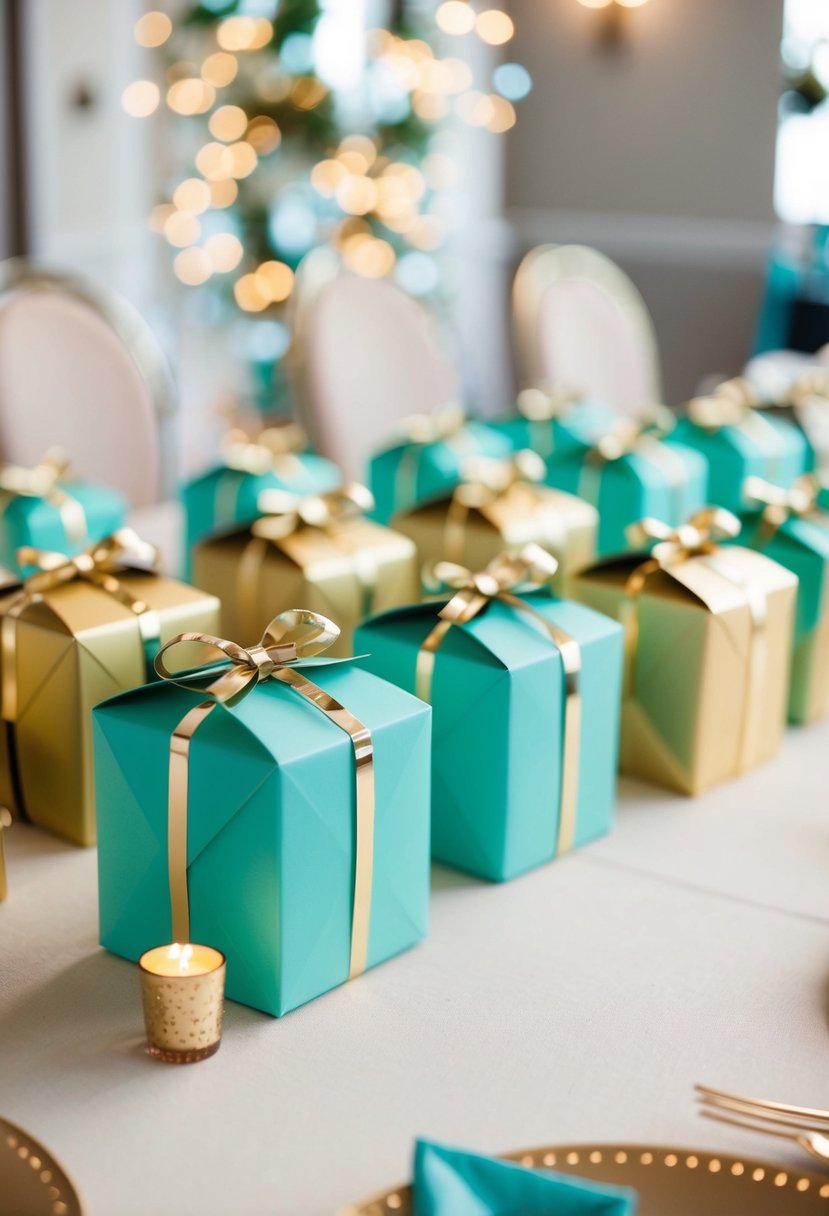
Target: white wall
(91, 185)
(662, 155)
(5, 216)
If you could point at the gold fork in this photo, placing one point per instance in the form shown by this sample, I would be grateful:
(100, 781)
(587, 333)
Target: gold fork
(768, 1118)
(751, 1105)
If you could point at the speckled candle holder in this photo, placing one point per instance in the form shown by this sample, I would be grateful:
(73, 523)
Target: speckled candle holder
(183, 994)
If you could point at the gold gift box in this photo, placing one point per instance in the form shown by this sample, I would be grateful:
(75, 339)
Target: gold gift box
(76, 645)
(348, 572)
(707, 663)
(473, 529)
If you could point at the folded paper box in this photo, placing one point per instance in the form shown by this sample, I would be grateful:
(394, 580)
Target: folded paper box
(277, 846)
(426, 460)
(525, 695)
(320, 552)
(501, 505)
(788, 527)
(44, 508)
(709, 633)
(72, 636)
(740, 442)
(628, 472)
(227, 495)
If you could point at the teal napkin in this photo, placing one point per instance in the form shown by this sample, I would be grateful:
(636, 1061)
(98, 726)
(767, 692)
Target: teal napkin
(452, 1182)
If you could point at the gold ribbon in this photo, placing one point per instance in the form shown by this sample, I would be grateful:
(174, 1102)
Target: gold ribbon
(43, 482)
(100, 564)
(446, 424)
(273, 450)
(289, 640)
(635, 437)
(736, 403)
(779, 504)
(524, 570)
(487, 481)
(285, 515)
(700, 537)
(542, 406)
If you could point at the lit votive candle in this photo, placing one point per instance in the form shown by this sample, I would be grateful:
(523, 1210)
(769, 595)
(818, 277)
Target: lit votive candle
(183, 988)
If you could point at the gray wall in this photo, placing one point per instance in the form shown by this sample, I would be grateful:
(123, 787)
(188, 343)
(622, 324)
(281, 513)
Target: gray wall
(661, 154)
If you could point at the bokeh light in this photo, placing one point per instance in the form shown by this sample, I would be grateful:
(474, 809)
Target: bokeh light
(181, 228)
(140, 98)
(220, 69)
(191, 96)
(193, 194)
(224, 251)
(263, 135)
(494, 26)
(223, 193)
(192, 266)
(153, 29)
(228, 123)
(455, 17)
(512, 80)
(275, 281)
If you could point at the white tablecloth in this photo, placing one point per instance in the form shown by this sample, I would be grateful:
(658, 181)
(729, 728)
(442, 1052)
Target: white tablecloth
(580, 1002)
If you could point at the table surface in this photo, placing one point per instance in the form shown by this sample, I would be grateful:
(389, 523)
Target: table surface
(578, 1003)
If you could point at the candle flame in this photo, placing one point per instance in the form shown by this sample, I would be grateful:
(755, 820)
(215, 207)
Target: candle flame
(182, 953)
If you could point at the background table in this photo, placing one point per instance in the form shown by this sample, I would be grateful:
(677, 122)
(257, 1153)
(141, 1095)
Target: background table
(580, 1002)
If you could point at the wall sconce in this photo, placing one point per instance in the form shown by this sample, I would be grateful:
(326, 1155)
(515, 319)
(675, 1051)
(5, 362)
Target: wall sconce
(612, 16)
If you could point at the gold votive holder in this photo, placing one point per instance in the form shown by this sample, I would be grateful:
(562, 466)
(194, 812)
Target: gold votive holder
(182, 987)
(5, 822)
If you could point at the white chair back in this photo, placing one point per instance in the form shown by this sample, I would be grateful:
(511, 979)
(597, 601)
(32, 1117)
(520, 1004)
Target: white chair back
(579, 322)
(80, 370)
(366, 357)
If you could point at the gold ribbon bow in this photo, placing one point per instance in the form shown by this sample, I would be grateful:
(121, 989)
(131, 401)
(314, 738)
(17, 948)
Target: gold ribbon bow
(286, 516)
(446, 424)
(273, 450)
(736, 403)
(100, 564)
(523, 570)
(779, 504)
(42, 481)
(542, 406)
(635, 437)
(813, 387)
(290, 640)
(284, 512)
(487, 481)
(700, 537)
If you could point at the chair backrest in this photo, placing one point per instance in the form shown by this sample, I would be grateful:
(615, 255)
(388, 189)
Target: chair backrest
(80, 370)
(579, 322)
(366, 357)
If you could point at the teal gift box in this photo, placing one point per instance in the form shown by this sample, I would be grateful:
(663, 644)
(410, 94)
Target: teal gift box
(630, 472)
(740, 442)
(788, 527)
(43, 508)
(525, 692)
(553, 424)
(278, 831)
(426, 461)
(227, 495)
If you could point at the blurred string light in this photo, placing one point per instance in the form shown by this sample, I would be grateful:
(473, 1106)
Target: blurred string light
(372, 196)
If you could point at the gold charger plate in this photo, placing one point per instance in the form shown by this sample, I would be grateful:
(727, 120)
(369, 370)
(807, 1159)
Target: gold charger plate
(31, 1181)
(670, 1181)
